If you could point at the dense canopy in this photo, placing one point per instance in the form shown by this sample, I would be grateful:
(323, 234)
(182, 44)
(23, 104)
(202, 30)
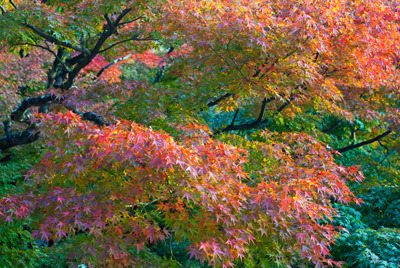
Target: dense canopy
(219, 124)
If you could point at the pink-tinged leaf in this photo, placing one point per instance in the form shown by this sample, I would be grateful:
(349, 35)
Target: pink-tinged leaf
(193, 253)
(92, 251)
(9, 219)
(45, 235)
(187, 195)
(35, 233)
(60, 199)
(61, 233)
(66, 213)
(139, 246)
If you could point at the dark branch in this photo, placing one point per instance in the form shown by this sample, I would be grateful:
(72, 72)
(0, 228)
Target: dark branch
(54, 40)
(213, 103)
(7, 127)
(254, 124)
(134, 38)
(13, 4)
(328, 130)
(127, 22)
(387, 153)
(74, 60)
(79, 61)
(283, 106)
(109, 21)
(86, 58)
(28, 136)
(18, 113)
(234, 117)
(52, 71)
(90, 116)
(22, 53)
(357, 145)
(110, 29)
(58, 58)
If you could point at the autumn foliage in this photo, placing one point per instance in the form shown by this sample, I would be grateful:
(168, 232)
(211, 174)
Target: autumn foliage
(129, 160)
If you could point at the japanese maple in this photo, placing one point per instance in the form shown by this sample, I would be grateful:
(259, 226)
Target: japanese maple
(128, 160)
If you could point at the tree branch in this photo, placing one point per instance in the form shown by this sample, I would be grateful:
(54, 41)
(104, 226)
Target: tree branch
(52, 71)
(74, 60)
(254, 124)
(109, 21)
(357, 145)
(234, 117)
(90, 116)
(17, 114)
(58, 58)
(387, 153)
(280, 109)
(80, 61)
(213, 103)
(13, 4)
(328, 130)
(110, 64)
(134, 38)
(7, 127)
(110, 30)
(127, 22)
(15, 139)
(54, 40)
(87, 57)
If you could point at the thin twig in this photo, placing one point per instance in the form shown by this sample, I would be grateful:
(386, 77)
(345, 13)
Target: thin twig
(387, 152)
(54, 40)
(126, 40)
(127, 22)
(49, 50)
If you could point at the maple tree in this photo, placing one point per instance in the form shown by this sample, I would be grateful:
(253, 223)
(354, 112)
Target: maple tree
(200, 120)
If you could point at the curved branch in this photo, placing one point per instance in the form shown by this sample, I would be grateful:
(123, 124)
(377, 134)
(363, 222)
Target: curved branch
(90, 116)
(17, 114)
(15, 139)
(357, 145)
(387, 152)
(213, 103)
(58, 59)
(248, 125)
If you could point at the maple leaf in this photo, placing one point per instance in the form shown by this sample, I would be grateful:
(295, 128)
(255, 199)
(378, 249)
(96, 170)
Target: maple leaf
(99, 101)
